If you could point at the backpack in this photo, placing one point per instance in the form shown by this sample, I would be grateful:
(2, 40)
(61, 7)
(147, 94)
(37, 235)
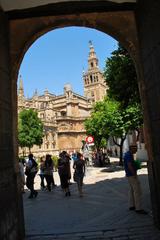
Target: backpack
(34, 165)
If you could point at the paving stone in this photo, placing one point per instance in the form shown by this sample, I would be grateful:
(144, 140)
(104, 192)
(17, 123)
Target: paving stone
(101, 214)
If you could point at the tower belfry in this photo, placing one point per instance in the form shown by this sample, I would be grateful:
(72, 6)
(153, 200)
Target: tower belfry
(92, 59)
(21, 89)
(21, 98)
(94, 84)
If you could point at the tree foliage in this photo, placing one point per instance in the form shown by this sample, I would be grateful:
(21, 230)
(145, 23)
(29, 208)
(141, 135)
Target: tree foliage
(30, 129)
(120, 75)
(102, 122)
(94, 127)
(108, 119)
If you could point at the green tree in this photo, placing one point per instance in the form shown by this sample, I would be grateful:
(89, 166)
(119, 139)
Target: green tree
(109, 119)
(121, 77)
(98, 124)
(30, 129)
(124, 121)
(94, 127)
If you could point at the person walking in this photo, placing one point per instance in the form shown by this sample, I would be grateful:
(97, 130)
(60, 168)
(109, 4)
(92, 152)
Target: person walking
(116, 152)
(64, 172)
(99, 157)
(134, 183)
(48, 171)
(79, 166)
(31, 170)
(42, 174)
(69, 168)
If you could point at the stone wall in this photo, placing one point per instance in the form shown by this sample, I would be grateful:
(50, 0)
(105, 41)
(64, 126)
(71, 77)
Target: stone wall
(11, 217)
(148, 19)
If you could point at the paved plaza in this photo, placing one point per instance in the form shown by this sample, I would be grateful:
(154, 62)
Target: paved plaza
(101, 214)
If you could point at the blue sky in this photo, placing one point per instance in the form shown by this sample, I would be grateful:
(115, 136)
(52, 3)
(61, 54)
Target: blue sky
(60, 56)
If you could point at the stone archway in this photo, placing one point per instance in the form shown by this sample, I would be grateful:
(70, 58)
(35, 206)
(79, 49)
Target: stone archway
(16, 37)
(110, 23)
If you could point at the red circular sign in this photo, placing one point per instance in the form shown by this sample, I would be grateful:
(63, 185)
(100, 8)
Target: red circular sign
(89, 139)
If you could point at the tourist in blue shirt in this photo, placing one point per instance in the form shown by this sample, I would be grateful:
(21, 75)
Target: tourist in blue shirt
(134, 183)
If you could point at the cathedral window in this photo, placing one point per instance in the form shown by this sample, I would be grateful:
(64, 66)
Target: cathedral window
(63, 113)
(92, 64)
(91, 78)
(41, 106)
(47, 145)
(46, 136)
(42, 115)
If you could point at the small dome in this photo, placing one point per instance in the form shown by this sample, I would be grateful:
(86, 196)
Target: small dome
(67, 87)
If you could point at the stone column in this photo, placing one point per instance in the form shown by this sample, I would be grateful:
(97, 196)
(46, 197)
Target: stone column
(11, 211)
(148, 19)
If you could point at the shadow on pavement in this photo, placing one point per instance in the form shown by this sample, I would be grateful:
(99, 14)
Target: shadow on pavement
(103, 207)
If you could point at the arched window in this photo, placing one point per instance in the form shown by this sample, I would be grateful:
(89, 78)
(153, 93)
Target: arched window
(47, 137)
(47, 145)
(41, 115)
(63, 113)
(42, 105)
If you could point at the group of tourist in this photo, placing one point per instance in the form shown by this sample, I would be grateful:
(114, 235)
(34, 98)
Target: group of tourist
(46, 169)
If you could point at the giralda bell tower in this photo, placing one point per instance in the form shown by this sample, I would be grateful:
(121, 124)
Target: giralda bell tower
(94, 84)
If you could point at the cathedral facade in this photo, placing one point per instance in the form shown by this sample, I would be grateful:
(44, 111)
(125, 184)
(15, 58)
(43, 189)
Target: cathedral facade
(63, 116)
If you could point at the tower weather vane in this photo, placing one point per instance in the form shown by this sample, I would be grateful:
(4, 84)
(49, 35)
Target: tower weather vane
(90, 42)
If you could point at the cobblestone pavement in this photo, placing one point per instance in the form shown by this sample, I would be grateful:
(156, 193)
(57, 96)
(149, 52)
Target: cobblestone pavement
(101, 214)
